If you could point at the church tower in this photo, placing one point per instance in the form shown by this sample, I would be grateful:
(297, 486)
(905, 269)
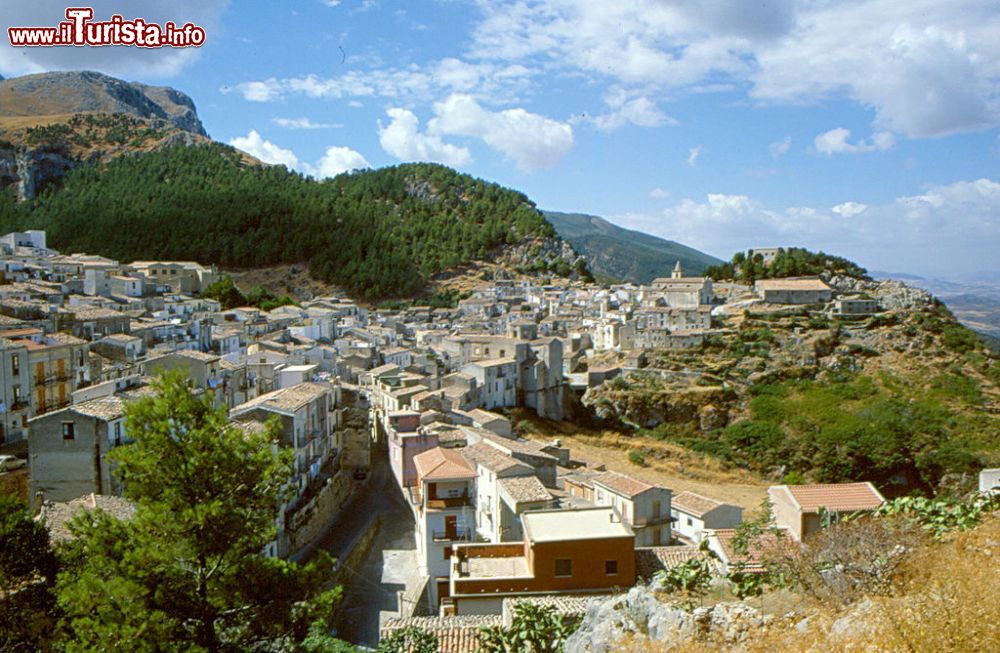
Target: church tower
(678, 272)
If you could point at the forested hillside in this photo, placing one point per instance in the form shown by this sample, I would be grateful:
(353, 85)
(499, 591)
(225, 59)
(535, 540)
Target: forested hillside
(621, 254)
(376, 233)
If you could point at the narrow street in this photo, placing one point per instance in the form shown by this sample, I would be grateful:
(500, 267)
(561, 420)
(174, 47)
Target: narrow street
(390, 566)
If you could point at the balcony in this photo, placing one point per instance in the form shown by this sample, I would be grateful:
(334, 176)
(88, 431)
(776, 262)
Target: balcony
(459, 501)
(659, 520)
(463, 534)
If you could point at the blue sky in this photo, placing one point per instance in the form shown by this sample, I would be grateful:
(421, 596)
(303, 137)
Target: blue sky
(867, 128)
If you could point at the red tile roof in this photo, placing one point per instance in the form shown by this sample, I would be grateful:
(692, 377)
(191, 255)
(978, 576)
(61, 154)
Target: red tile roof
(443, 464)
(836, 497)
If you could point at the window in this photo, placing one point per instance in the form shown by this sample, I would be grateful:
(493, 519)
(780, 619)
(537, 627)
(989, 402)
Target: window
(611, 567)
(564, 568)
(68, 430)
(17, 394)
(118, 432)
(15, 364)
(690, 522)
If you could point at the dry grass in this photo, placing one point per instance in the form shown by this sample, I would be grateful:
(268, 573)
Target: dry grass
(666, 464)
(944, 601)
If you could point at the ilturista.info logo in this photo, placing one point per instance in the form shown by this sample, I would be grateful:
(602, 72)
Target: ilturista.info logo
(80, 29)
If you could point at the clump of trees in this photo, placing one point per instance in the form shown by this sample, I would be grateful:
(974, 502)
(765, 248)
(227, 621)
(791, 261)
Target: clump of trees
(229, 296)
(187, 571)
(748, 267)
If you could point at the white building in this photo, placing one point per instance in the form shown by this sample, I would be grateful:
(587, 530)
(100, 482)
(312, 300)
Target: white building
(443, 504)
(693, 514)
(645, 507)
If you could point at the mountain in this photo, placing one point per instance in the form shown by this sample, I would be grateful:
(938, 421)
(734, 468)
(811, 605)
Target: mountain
(51, 123)
(623, 254)
(63, 93)
(375, 233)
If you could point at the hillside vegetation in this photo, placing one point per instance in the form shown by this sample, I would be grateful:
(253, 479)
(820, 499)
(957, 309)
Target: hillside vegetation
(375, 233)
(789, 262)
(909, 399)
(621, 254)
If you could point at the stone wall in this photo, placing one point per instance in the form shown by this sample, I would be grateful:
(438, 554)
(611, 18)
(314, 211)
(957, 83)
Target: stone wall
(321, 510)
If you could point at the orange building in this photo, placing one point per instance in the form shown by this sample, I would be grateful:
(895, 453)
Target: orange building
(583, 551)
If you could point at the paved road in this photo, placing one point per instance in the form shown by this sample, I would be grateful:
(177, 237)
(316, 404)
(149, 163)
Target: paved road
(370, 590)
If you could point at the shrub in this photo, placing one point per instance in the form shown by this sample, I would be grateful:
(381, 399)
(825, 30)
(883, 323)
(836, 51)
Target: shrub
(636, 457)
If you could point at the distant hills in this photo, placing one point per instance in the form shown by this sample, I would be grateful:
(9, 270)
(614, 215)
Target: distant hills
(976, 304)
(621, 254)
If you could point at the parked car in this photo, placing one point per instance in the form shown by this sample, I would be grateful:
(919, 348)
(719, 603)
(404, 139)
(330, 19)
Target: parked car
(10, 463)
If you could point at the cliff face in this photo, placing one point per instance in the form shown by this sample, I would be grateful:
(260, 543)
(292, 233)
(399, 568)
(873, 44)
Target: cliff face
(53, 122)
(38, 152)
(61, 93)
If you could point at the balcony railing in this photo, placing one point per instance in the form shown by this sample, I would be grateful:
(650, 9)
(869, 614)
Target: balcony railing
(641, 522)
(462, 534)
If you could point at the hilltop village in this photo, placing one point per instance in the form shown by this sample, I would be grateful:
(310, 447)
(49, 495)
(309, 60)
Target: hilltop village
(410, 407)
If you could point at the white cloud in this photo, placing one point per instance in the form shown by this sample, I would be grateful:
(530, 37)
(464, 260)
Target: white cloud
(624, 110)
(945, 231)
(693, 154)
(403, 139)
(304, 123)
(533, 141)
(849, 209)
(255, 145)
(836, 141)
(335, 161)
(265, 91)
(780, 148)
(410, 83)
(659, 194)
(331, 3)
(129, 62)
(932, 68)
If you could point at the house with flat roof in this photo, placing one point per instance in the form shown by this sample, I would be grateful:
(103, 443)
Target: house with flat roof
(585, 551)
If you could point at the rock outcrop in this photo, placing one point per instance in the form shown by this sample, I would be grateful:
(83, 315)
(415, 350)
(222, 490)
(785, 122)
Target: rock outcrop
(641, 614)
(59, 93)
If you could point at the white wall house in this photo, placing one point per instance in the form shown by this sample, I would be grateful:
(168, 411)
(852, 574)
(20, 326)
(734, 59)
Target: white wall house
(693, 514)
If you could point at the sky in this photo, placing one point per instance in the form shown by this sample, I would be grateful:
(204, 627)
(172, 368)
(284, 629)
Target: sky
(865, 128)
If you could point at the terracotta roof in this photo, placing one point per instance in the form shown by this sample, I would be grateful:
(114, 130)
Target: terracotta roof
(838, 497)
(649, 560)
(694, 504)
(792, 284)
(752, 560)
(454, 634)
(493, 459)
(289, 399)
(440, 464)
(105, 408)
(621, 484)
(56, 515)
(525, 489)
(574, 607)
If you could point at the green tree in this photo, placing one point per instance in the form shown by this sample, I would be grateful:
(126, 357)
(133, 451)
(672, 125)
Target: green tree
(409, 640)
(534, 629)
(225, 292)
(27, 573)
(187, 572)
